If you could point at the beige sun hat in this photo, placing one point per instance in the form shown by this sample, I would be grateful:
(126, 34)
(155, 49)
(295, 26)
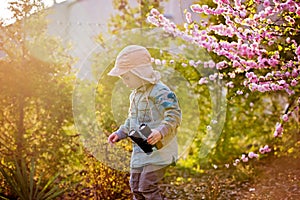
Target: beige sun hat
(136, 59)
(131, 57)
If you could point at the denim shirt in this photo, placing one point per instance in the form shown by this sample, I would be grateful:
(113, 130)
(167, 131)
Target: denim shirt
(157, 106)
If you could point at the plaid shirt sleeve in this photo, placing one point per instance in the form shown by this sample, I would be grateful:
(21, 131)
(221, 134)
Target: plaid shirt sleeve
(123, 130)
(169, 106)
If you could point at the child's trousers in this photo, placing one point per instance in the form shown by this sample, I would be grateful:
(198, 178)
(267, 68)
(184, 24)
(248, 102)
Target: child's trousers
(144, 182)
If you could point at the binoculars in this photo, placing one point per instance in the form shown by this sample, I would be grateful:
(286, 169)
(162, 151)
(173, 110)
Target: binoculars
(141, 142)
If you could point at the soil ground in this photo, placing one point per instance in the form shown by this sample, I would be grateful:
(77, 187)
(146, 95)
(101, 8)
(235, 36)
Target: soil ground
(278, 179)
(274, 178)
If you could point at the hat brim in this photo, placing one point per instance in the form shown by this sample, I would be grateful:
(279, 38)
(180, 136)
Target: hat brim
(117, 71)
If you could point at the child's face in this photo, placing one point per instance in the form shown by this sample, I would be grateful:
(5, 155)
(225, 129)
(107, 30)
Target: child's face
(132, 81)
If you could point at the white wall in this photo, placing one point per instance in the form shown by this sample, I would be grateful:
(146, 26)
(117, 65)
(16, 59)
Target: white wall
(80, 21)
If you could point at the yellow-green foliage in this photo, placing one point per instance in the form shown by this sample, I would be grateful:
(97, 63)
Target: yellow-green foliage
(96, 180)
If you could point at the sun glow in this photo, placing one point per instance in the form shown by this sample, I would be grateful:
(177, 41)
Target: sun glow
(6, 16)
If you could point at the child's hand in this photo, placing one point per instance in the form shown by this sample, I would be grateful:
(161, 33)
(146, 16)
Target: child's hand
(113, 138)
(154, 137)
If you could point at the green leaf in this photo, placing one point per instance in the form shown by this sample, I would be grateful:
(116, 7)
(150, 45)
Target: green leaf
(49, 183)
(31, 178)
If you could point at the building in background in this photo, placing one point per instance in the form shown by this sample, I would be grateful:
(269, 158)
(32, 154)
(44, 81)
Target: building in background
(81, 21)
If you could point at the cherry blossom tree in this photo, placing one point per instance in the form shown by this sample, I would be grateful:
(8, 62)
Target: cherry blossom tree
(257, 41)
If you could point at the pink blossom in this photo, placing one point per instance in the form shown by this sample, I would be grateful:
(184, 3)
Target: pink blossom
(269, 21)
(281, 82)
(188, 17)
(283, 67)
(285, 117)
(290, 19)
(221, 65)
(264, 87)
(264, 149)
(273, 86)
(230, 84)
(250, 75)
(154, 11)
(225, 1)
(231, 74)
(268, 76)
(289, 91)
(295, 73)
(236, 64)
(260, 88)
(298, 50)
(244, 158)
(276, 2)
(252, 155)
(212, 77)
(278, 130)
(203, 23)
(253, 86)
(205, 64)
(273, 62)
(294, 82)
(248, 52)
(267, 149)
(162, 18)
(157, 62)
(239, 92)
(291, 5)
(192, 63)
(243, 14)
(270, 42)
(152, 20)
(254, 79)
(208, 127)
(211, 64)
(196, 8)
(198, 62)
(214, 121)
(237, 3)
(298, 10)
(203, 81)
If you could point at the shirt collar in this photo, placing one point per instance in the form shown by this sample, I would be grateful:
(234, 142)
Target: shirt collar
(144, 87)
